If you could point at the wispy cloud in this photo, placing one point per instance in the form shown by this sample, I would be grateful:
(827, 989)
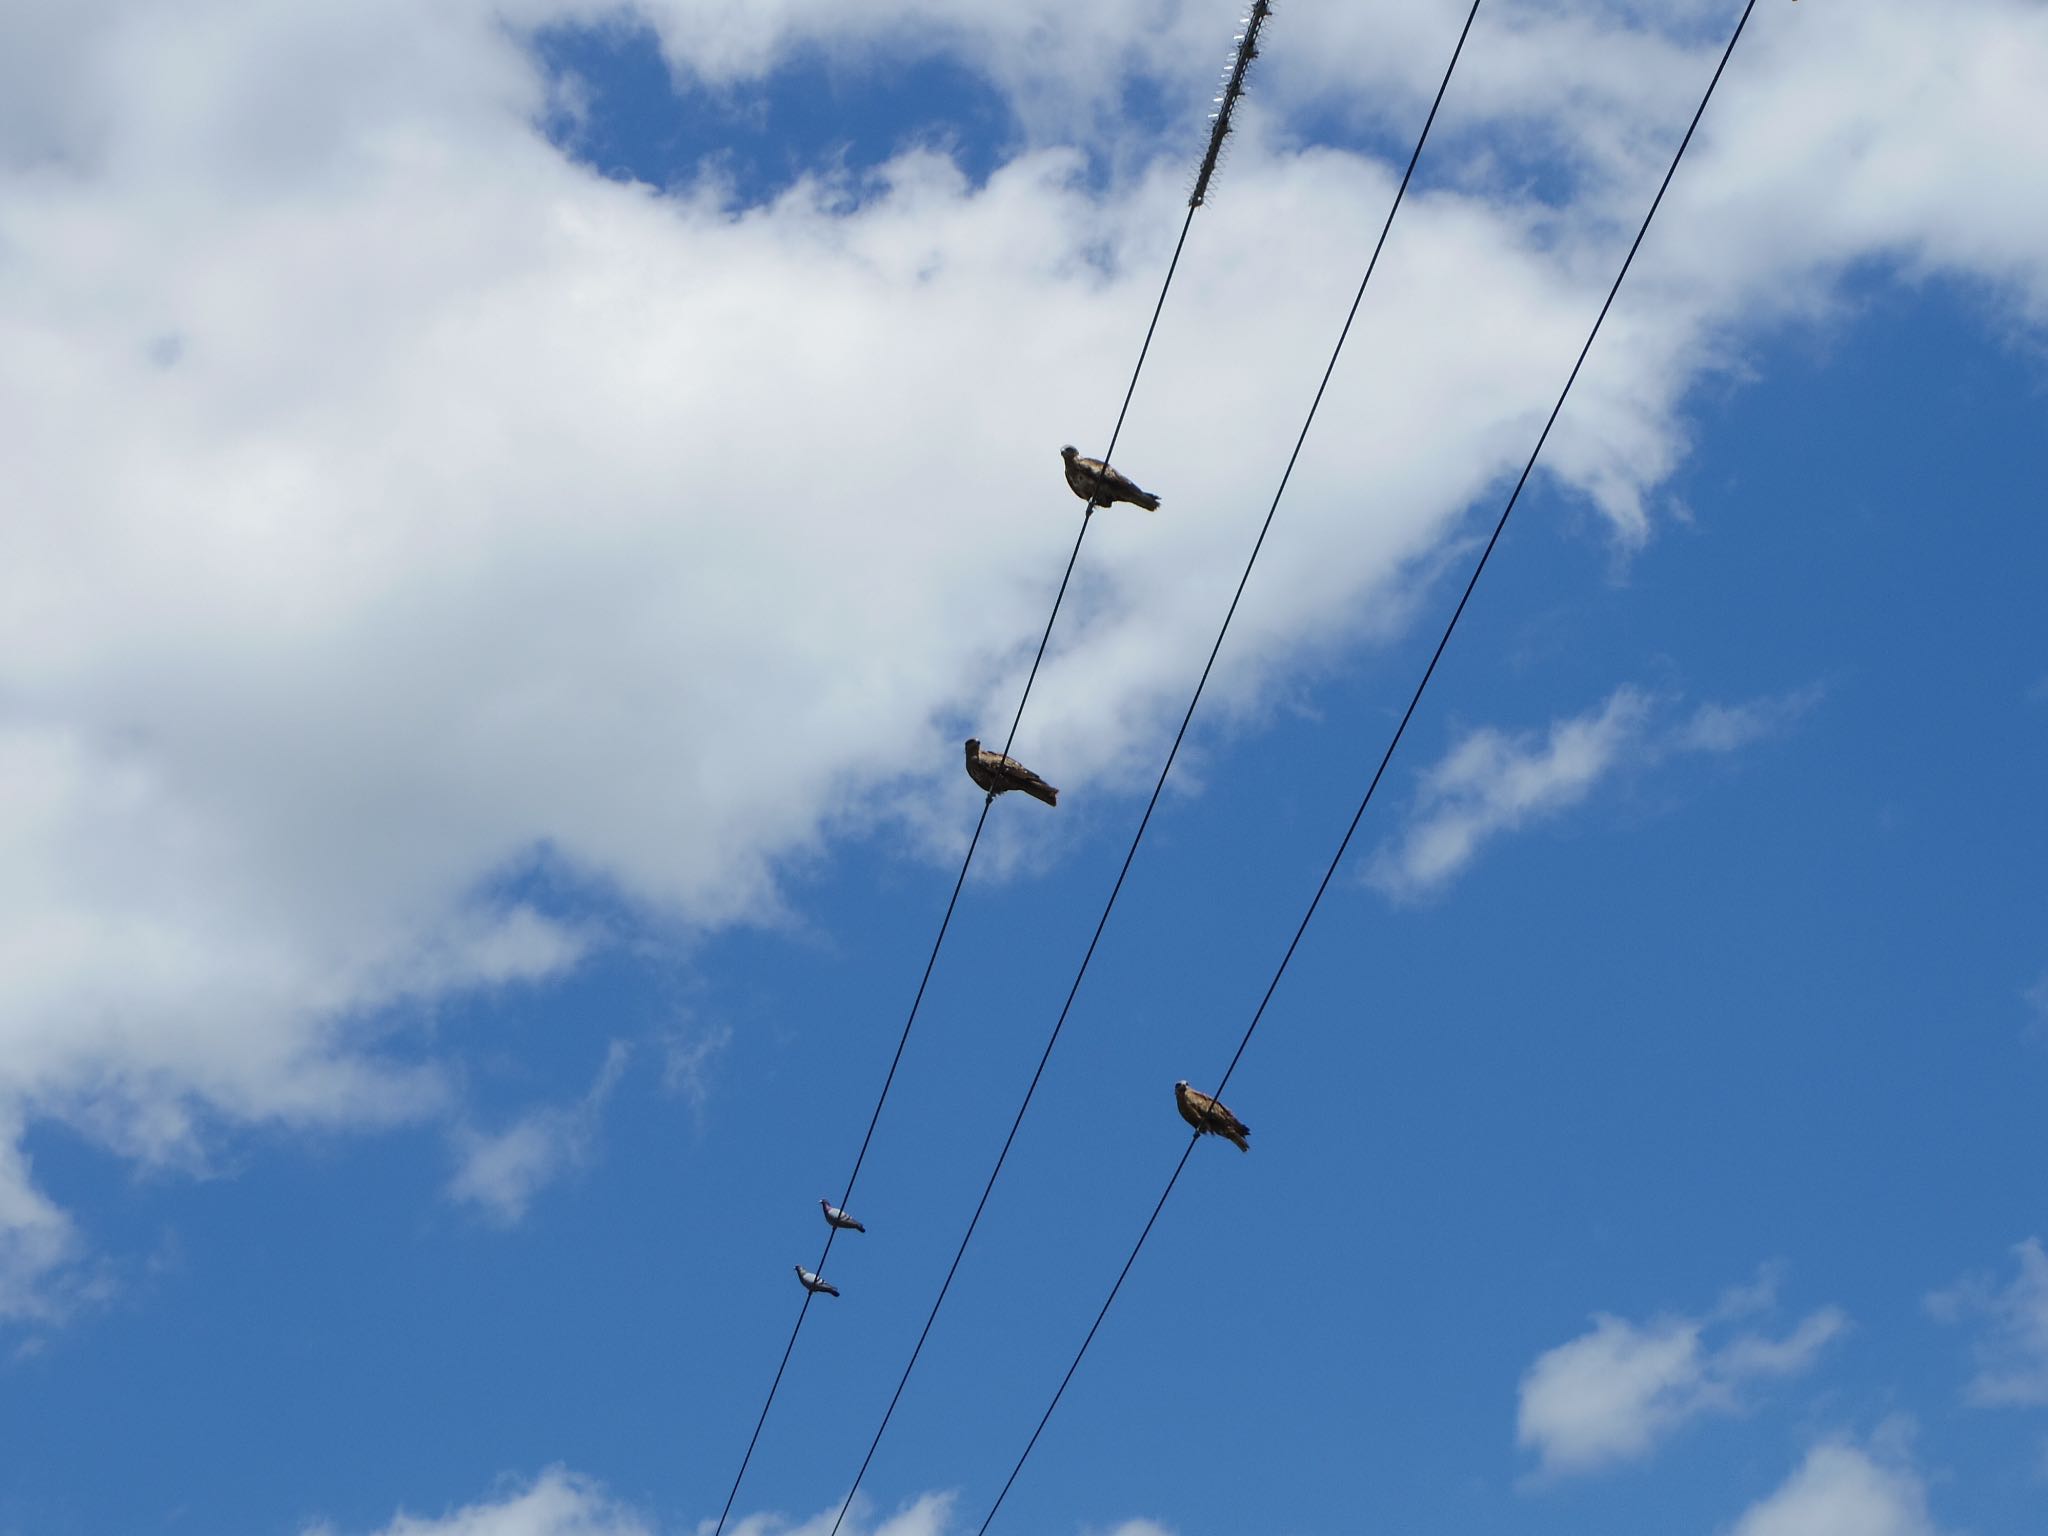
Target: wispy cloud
(561, 1503)
(1494, 781)
(502, 1171)
(2012, 1353)
(1841, 1489)
(1613, 1394)
(687, 1055)
(1729, 727)
(927, 1515)
(36, 1238)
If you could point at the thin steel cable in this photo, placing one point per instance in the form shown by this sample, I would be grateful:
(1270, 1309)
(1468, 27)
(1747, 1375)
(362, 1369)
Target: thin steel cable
(903, 1039)
(1357, 816)
(1087, 513)
(832, 1232)
(1044, 1418)
(1159, 787)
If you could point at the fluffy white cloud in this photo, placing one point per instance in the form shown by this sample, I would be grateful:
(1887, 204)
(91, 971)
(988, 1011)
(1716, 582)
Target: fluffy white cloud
(2012, 1357)
(1493, 782)
(1614, 1393)
(927, 1515)
(394, 503)
(1843, 1490)
(501, 1171)
(558, 1504)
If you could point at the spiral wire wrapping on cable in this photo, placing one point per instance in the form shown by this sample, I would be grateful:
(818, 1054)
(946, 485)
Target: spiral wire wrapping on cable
(1247, 41)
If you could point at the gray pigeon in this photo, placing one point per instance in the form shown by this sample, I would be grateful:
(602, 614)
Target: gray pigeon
(999, 774)
(813, 1284)
(839, 1218)
(1210, 1116)
(1099, 485)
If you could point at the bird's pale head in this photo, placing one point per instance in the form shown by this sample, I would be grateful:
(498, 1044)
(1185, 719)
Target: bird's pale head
(1069, 453)
(1181, 1086)
(973, 745)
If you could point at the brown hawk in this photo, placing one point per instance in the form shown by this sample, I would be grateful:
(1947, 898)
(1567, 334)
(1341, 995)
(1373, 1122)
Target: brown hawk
(999, 774)
(1209, 1116)
(1099, 485)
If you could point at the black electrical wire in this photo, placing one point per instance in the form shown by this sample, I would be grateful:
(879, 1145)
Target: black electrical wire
(846, 1198)
(1159, 787)
(1344, 844)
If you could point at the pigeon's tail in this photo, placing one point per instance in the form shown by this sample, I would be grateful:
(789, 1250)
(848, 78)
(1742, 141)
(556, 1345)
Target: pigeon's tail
(1146, 500)
(854, 1226)
(1040, 790)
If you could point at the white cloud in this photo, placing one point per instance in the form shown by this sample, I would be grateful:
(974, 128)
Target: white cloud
(502, 1171)
(927, 1515)
(1730, 727)
(35, 1237)
(558, 1504)
(2036, 999)
(1613, 1394)
(2012, 1356)
(1493, 781)
(687, 1056)
(394, 503)
(1842, 1490)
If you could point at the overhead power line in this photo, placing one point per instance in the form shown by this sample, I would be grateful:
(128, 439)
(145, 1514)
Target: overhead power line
(1159, 787)
(1219, 128)
(1394, 742)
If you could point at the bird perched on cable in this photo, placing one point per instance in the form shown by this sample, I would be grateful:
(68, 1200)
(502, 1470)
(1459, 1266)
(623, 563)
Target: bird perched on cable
(999, 774)
(838, 1218)
(1210, 1116)
(814, 1284)
(1099, 485)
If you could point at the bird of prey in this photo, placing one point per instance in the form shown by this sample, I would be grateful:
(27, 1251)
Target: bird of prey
(1209, 1116)
(839, 1218)
(814, 1284)
(1099, 485)
(999, 774)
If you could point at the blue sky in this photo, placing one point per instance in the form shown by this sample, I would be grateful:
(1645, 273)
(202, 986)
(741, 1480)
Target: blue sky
(480, 740)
